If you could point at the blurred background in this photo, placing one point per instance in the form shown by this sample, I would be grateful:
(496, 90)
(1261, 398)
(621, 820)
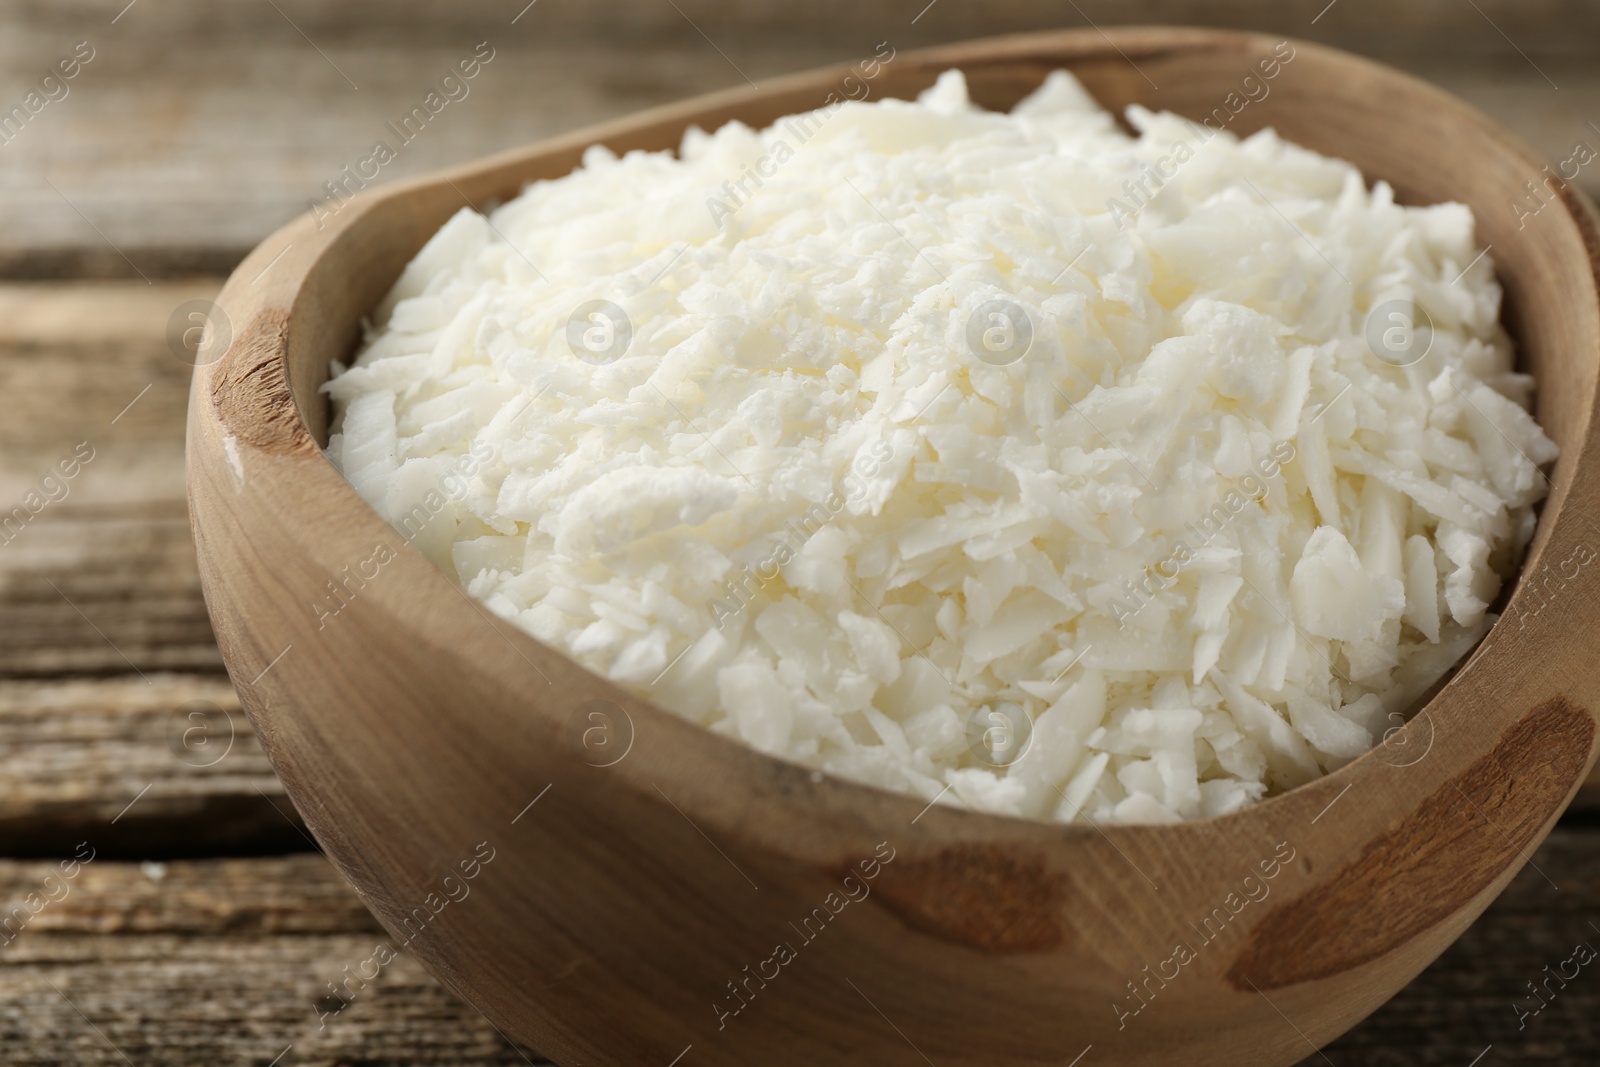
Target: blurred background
(160, 902)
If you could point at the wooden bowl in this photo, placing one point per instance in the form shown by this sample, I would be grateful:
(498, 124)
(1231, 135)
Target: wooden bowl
(607, 882)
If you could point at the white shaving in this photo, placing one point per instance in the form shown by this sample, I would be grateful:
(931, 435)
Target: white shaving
(1192, 544)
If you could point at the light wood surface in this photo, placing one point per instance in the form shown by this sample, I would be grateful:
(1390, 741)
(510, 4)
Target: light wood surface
(205, 963)
(416, 727)
(139, 146)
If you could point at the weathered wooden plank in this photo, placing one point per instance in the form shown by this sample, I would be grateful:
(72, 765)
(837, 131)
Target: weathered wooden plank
(229, 961)
(105, 592)
(187, 1002)
(163, 765)
(184, 167)
(97, 572)
(1544, 23)
(101, 582)
(158, 167)
(213, 962)
(240, 899)
(90, 361)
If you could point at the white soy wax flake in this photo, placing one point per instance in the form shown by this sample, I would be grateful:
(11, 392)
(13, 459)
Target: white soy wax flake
(1012, 461)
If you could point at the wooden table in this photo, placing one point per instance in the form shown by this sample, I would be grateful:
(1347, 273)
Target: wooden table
(207, 929)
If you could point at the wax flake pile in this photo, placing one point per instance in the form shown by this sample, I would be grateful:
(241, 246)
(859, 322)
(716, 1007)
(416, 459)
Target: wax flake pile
(1010, 459)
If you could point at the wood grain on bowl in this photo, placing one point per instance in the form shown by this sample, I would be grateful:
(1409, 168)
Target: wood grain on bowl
(986, 897)
(418, 734)
(252, 392)
(1467, 836)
